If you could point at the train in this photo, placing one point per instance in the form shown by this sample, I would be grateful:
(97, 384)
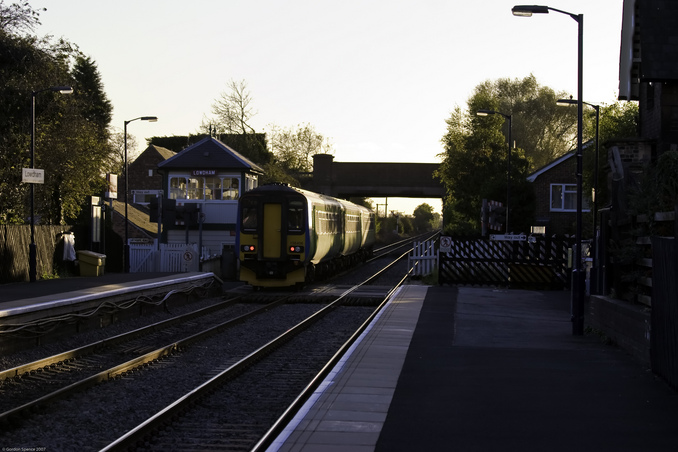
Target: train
(287, 236)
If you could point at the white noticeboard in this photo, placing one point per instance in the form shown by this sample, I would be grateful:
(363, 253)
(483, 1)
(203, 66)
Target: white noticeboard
(32, 176)
(509, 237)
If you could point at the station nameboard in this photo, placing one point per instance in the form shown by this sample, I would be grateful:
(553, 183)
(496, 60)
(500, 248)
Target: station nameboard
(33, 176)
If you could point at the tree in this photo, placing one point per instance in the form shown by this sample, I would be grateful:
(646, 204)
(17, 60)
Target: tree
(89, 92)
(116, 160)
(474, 165)
(232, 110)
(294, 148)
(423, 217)
(68, 147)
(18, 18)
(617, 121)
(542, 129)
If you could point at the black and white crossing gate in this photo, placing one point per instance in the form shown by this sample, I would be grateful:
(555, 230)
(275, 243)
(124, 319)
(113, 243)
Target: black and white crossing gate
(512, 260)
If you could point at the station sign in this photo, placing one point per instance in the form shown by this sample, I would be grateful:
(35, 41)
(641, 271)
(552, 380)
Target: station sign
(508, 237)
(33, 176)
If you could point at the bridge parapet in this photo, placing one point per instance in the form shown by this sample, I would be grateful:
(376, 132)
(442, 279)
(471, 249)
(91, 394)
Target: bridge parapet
(346, 179)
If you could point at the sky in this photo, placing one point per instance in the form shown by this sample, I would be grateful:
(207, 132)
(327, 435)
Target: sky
(378, 78)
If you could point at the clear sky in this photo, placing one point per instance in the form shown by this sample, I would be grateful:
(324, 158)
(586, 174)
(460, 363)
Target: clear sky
(377, 77)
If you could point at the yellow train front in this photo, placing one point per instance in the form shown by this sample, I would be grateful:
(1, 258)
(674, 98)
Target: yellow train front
(287, 236)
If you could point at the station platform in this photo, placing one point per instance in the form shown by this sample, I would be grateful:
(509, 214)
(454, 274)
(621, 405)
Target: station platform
(20, 299)
(33, 311)
(481, 369)
(465, 369)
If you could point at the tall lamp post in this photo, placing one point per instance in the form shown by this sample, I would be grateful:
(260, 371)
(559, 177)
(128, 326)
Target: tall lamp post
(578, 291)
(125, 247)
(32, 249)
(508, 172)
(567, 102)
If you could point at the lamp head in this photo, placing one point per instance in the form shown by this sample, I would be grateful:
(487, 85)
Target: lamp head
(484, 112)
(566, 102)
(528, 10)
(149, 118)
(63, 89)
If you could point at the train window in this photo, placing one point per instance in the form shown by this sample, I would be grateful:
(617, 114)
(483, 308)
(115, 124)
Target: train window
(249, 214)
(295, 216)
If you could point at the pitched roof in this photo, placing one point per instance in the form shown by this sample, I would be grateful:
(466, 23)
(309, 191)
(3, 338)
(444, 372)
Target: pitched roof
(553, 164)
(138, 218)
(164, 152)
(558, 161)
(210, 153)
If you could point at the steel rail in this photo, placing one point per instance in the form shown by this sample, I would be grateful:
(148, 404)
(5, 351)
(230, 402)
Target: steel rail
(93, 347)
(132, 364)
(164, 416)
(289, 414)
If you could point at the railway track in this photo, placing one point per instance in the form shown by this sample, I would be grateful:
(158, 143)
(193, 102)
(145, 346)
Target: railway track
(244, 406)
(204, 353)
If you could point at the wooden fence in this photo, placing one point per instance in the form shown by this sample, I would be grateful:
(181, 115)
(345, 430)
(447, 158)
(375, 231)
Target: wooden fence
(423, 258)
(535, 263)
(14, 243)
(168, 257)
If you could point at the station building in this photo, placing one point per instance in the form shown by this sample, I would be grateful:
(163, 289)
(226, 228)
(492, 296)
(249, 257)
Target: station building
(204, 182)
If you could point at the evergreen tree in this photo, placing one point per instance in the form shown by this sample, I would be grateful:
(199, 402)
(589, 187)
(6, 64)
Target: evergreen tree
(72, 152)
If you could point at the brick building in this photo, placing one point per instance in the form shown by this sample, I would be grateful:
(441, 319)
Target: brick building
(144, 180)
(555, 188)
(648, 72)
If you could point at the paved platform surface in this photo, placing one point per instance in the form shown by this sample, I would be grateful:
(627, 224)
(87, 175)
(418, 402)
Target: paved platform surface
(48, 287)
(477, 369)
(468, 369)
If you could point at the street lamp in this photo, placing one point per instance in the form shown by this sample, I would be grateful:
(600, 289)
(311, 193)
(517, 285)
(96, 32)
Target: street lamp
(508, 173)
(577, 275)
(568, 102)
(32, 250)
(125, 247)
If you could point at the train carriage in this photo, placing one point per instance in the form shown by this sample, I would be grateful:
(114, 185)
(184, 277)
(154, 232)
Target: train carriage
(288, 236)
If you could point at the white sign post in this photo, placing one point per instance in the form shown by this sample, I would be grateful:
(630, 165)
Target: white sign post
(508, 237)
(32, 176)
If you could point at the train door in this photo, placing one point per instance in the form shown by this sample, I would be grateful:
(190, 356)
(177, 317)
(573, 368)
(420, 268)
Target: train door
(272, 223)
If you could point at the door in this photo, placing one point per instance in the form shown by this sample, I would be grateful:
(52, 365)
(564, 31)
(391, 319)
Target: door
(272, 231)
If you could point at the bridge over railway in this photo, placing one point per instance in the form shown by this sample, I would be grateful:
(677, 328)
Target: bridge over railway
(374, 180)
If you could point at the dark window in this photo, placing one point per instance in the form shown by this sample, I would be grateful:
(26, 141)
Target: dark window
(295, 216)
(249, 213)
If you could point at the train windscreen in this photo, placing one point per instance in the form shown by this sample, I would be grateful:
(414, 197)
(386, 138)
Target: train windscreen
(295, 216)
(249, 213)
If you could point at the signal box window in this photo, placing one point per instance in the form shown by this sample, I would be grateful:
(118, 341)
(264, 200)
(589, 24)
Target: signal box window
(177, 188)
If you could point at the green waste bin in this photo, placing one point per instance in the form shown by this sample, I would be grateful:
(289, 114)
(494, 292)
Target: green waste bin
(91, 263)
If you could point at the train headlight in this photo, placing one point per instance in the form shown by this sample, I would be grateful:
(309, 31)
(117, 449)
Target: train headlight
(248, 248)
(296, 249)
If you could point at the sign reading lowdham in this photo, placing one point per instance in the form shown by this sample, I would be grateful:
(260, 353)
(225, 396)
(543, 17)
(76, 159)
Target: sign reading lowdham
(33, 176)
(204, 172)
(508, 237)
